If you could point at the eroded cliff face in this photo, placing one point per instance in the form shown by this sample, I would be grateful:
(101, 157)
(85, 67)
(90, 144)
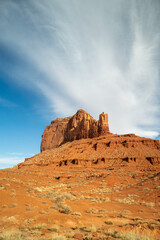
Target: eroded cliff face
(79, 126)
(88, 143)
(111, 152)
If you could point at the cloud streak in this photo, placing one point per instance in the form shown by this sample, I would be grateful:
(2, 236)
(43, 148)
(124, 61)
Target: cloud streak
(10, 160)
(96, 55)
(6, 103)
(14, 158)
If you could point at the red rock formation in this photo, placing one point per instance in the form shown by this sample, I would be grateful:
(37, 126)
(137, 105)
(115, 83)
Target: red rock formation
(53, 135)
(81, 125)
(103, 124)
(80, 140)
(109, 152)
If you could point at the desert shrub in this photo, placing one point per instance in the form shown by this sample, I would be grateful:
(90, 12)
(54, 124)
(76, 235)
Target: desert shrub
(12, 194)
(92, 229)
(59, 201)
(60, 204)
(13, 205)
(135, 236)
(137, 219)
(67, 196)
(150, 226)
(113, 234)
(30, 220)
(83, 228)
(124, 213)
(146, 189)
(13, 234)
(39, 226)
(53, 228)
(4, 206)
(30, 208)
(57, 237)
(65, 209)
(51, 195)
(88, 236)
(42, 212)
(30, 190)
(77, 214)
(92, 210)
(108, 222)
(150, 204)
(36, 232)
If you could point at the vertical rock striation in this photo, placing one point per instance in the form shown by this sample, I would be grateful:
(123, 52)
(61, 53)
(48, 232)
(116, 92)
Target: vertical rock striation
(81, 125)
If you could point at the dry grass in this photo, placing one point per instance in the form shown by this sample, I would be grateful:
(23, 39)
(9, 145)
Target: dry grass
(130, 235)
(13, 234)
(135, 235)
(54, 228)
(58, 237)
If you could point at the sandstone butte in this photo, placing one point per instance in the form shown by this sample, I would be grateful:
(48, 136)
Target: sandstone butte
(80, 140)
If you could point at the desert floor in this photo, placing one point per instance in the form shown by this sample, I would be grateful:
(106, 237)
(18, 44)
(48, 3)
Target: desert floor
(79, 203)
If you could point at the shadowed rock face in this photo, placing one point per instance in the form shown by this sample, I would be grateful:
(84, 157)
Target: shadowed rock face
(81, 125)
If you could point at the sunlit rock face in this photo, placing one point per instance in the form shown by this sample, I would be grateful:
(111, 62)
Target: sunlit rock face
(81, 125)
(82, 141)
(109, 152)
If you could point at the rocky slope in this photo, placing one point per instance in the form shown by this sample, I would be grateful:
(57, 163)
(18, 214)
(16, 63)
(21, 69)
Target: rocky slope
(82, 141)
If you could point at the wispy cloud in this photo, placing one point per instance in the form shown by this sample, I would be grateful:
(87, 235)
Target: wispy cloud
(10, 160)
(21, 154)
(7, 103)
(14, 158)
(97, 55)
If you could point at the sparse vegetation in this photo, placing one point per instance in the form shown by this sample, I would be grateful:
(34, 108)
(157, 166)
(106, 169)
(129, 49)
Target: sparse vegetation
(108, 222)
(94, 199)
(65, 209)
(13, 234)
(40, 226)
(92, 228)
(56, 237)
(13, 205)
(42, 212)
(4, 206)
(53, 228)
(132, 235)
(77, 213)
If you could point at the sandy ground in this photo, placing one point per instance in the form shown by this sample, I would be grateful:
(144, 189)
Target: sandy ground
(79, 203)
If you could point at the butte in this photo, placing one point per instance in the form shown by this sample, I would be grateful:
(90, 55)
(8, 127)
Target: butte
(82, 141)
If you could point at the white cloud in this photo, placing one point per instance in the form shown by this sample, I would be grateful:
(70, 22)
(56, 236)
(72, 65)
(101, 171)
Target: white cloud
(16, 153)
(10, 160)
(20, 154)
(14, 158)
(96, 55)
(7, 103)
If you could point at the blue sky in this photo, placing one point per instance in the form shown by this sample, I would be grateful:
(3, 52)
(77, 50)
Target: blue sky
(57, 56)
